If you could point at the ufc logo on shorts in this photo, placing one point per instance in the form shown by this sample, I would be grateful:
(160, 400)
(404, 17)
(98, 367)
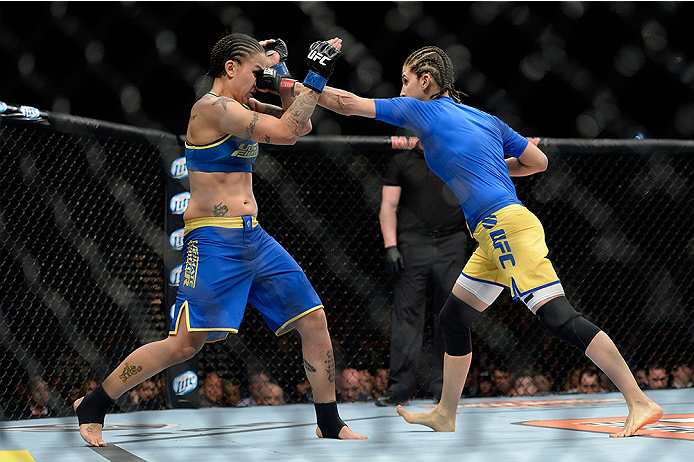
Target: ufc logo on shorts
(320, 58)
(500, 242)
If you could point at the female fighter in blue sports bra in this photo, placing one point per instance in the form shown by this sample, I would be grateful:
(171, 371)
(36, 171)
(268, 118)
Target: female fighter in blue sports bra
(229, 259)
(467, 148)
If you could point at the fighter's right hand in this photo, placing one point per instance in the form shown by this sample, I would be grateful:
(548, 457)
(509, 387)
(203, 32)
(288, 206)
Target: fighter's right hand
(321, 59)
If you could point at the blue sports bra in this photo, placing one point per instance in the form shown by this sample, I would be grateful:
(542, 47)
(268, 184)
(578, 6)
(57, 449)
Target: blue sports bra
(227, 154)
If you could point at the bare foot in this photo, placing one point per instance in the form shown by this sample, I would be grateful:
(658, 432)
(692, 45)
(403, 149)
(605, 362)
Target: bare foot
(346, 433)
(90, 432)
(640, 414)
(432, 419)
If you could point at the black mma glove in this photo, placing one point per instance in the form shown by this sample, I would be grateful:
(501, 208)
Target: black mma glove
(279, 47)
(321, 61)
(394, 261)
(268, 79)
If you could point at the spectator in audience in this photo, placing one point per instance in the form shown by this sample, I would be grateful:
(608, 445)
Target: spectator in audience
(657, 375)
(37, 399)
(641, 378)
(524, 385)
(366, 380)
(271, 395)
(543, 381)
(471, 387)
(682, 376)
(304, 391)
(349, 387)
(502, 381)
(88, 386)
(211, 390)
(148, 392)
(380, 382)
(231, 392)
(256, 382)
(484, 385)
(589, 381)
(573, 383)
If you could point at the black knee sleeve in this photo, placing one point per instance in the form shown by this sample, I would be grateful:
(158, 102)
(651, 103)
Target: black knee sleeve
(456, 318)
(328, 419)
(562, 321)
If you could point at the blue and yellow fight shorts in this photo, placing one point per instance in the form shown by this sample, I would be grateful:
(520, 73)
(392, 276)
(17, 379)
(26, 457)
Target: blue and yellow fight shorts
(228, 262)
(512, 254)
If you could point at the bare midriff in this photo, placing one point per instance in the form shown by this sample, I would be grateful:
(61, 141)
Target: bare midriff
(212, 192)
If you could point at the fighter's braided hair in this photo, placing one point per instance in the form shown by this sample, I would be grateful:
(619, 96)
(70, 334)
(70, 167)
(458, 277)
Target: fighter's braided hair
(232, 47)
(435, 62)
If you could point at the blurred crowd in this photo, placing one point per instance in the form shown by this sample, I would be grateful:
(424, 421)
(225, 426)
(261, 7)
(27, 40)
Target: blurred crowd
(40, 397)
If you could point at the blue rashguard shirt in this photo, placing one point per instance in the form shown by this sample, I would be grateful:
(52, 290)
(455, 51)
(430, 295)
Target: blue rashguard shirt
(463, 146)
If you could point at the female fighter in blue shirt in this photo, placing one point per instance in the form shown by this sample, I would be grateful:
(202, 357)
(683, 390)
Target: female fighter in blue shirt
(476, 153)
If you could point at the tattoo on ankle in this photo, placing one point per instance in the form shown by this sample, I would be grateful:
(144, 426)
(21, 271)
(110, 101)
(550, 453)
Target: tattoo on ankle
(129, 371)
(308, 366)
(330, 363)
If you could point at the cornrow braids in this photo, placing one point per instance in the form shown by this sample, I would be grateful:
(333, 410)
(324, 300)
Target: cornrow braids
(232, 47)
(435, 62)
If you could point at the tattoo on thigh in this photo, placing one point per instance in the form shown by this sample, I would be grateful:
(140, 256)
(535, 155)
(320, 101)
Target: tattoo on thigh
(220, 210)
(330, 364)
(308, 366)
(129, 371)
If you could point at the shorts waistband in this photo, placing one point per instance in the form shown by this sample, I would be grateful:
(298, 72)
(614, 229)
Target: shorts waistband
(220, 222)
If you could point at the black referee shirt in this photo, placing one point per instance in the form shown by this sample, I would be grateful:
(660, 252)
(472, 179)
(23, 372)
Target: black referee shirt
(426, 205)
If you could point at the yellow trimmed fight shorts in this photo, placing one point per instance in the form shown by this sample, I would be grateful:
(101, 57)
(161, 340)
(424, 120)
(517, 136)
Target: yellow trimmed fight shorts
(512, 254)
(229, 262)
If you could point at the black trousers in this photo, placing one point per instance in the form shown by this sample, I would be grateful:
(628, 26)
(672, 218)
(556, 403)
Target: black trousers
(430, 263)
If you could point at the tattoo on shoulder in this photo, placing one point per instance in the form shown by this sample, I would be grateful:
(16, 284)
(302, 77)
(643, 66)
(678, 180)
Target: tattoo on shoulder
(220, 210)
(192, 118)
(223, 100)
(249, 130)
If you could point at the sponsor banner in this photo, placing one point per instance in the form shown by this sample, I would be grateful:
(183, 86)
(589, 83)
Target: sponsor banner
(677, 426)
(179, 203)
(185, 383)
(175, 276)
(179, 169)
(176, 239)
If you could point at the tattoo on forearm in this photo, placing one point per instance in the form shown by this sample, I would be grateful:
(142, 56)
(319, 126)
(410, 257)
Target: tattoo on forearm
(301, 110)
(223, 100)
(308, 366)
(330, 366)
(249, 130)
(274, 111)
(220, 210)
(129, 371)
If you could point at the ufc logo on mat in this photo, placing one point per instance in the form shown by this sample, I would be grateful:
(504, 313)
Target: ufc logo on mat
(320, 58)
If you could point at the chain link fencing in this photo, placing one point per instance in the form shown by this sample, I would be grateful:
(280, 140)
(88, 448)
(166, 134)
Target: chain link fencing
(87, 273)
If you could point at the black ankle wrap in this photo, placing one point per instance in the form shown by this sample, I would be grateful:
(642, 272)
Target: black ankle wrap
(329, 420)
(94, 407)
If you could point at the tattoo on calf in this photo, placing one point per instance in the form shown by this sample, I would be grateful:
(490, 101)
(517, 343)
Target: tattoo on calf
(129, 371)
(330, 363)
(308, 366)
(220, 210)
